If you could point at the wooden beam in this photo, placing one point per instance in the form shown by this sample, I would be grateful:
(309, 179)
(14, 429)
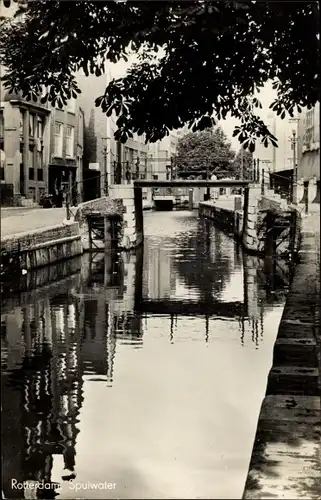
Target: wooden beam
(191, 183)
(168, 307)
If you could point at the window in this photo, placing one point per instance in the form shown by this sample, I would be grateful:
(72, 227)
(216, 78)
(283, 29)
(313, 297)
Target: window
(39, 174)
(71, 106)
(31, 125)
(30, 156)
(40, 128)
(58, 131)
(31, 174)
(1, 124)
(309, 128)
(39, 159)
(21, 123)
(2, 173)
(70, 137)
(155, 177)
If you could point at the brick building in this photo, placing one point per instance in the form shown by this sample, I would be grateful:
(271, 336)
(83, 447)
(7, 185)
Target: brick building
(41, 148)
(24, 145)
(66, 150)
(308, 171)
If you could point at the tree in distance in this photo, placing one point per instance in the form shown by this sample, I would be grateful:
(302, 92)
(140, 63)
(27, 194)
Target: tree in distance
(243, 164)
(212, 58)
(204, 153)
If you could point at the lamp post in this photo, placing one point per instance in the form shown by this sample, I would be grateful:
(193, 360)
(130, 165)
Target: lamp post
(105, 155)
(293, 140)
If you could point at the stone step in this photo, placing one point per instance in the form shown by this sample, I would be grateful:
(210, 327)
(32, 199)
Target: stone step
(294, 408)
(293, 380)
(285, 460)
(291, 329)
(295, 352)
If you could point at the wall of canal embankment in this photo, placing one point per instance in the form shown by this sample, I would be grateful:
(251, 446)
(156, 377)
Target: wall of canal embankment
(256, 223)
(40, 247)
(286, 457)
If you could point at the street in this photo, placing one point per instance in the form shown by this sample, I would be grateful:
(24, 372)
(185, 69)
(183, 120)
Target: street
(20, 221)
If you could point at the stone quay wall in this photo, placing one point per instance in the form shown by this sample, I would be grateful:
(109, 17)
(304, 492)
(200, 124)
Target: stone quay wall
(132, 202)
(40, 247)
(286, 456)
(251, 235)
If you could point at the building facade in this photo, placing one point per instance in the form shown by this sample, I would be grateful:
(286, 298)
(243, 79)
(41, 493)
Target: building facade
(66, 151)
(308, 169)
(103, 152)
(281, 158)
(24, 145)
(41, 148)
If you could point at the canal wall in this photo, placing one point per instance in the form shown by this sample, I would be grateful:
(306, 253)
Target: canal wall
(286, 456)
(228, 215)
(132, 201)
(39, 248)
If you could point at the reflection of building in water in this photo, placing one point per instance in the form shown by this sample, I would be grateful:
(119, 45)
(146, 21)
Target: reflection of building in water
(250, 265)
(159, 276)
(50, 343)
(47, 382)
(126, 325)
(57, 387)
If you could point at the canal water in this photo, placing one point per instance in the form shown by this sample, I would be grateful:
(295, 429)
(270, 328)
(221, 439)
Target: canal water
(142, 375)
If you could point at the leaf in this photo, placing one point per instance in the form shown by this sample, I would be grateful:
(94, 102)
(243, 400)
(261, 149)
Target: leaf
(213, 55)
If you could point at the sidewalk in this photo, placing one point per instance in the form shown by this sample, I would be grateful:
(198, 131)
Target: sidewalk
(286, 457)
(30, 220)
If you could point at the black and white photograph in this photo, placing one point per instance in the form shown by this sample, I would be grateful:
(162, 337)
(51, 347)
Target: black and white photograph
(160, 249)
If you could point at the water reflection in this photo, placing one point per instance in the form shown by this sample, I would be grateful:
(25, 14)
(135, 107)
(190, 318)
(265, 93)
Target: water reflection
(106, 326)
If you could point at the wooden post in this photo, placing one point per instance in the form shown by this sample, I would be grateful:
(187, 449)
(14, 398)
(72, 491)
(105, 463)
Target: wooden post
(258, 170)
(138, 203)
(208, 189)
(190, 199)
(306, 197)
(262, 182)
(269, 248)
(68, 199)
(90, 233)
(293, 216)
(107, 235)
(245, 212)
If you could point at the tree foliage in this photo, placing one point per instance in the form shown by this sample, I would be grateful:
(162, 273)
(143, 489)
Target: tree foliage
(208, 150)
(214, 56)
(243, 164)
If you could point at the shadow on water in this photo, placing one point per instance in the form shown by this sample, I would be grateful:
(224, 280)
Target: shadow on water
(88, 314)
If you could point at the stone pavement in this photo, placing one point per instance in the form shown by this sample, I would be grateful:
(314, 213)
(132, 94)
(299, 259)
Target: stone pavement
(30, 220)
(286, 457)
